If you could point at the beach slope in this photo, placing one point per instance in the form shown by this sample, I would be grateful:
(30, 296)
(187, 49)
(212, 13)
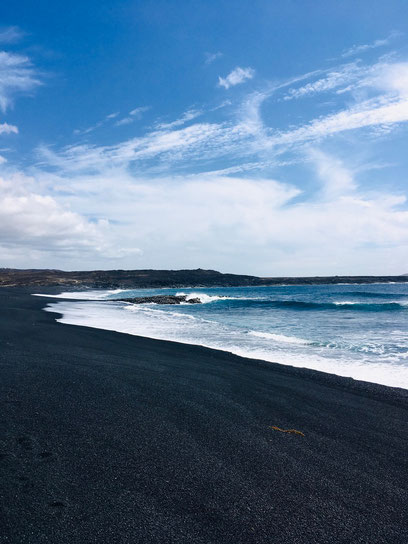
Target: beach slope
(113, 438)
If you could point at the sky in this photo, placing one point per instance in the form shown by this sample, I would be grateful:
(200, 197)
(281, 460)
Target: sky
(255, 136)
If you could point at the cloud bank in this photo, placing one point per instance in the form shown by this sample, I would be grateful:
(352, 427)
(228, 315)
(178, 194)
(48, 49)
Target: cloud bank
(243, 186)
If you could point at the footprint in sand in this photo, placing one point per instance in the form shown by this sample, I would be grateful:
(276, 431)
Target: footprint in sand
(58, 507)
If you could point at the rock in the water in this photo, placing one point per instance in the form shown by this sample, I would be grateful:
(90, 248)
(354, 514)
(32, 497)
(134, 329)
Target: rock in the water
(162, 299)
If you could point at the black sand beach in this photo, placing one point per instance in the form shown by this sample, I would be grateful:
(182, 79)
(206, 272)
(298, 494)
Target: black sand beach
(113, 438)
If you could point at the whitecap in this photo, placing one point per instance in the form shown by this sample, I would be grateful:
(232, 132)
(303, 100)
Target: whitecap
(279, 337)
(84, 295)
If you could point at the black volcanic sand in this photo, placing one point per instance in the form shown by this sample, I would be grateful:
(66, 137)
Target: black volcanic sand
(110, 438)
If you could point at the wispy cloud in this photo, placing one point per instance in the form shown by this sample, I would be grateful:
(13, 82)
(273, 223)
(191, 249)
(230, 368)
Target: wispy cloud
(138, 112)
(171, 144)
(366, 114)
(356, 49)
(133, 115)
(17, 76)
(250, 215)
(189, 115)
(385, 109)
(81, 131)
(167, 177)
(338, 181)
(97, 125)
(211, 57)
(11, 34)
(189, 184)
(124, 121)
(197, 142)
(5, 128)
(237, 76)
(339, 77)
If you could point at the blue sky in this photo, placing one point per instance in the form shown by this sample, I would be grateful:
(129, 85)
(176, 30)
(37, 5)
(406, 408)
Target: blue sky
(256, 137)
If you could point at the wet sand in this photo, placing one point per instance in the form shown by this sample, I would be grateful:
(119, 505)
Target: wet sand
(113, 438)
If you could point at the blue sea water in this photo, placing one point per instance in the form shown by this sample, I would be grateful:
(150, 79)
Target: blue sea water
(359, 331)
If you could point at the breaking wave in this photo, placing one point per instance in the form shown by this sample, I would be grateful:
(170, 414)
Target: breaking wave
(279, 337)
(346, 305)
(359, 333)
(372, 294)
(205, 299)
(84, 295)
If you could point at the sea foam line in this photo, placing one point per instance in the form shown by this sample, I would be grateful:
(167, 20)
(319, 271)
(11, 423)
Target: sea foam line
(82, 314)
(204, 298)
(83, 295)
(280, 337)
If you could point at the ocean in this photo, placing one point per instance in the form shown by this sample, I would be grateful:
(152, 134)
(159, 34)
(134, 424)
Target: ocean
(358, 331)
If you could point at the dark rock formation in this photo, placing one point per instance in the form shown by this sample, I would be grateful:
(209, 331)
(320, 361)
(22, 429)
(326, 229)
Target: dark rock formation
(161, 299)
(123, 279)
(138, 279)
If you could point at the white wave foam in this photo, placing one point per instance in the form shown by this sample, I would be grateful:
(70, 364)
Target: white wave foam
(179, 327)
(385, 304)
(151, 308)
(354, 302)
(279, 337)
(392, 375)
(83, 295)
(205, 299)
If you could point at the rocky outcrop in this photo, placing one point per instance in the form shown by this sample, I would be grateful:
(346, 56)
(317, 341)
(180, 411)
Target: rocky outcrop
(162, 299)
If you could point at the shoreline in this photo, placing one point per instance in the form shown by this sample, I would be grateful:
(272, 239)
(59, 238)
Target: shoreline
(119, 438)
(377, 375)
(148, 278)
(304, 372)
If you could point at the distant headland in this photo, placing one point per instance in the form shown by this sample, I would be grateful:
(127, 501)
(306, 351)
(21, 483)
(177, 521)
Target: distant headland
(123, 279)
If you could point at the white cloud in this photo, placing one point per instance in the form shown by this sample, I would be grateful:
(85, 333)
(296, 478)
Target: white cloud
(392, 78)
(168, 145)
(364, 115)
(124, 121)
(80, 132)
(356, 49)
(211, 57)
(200, 141)
(229, 221)
(386, 109)
(17, 75)
(11, 34)
(29, 218)
(189, 115)
(134, 115)
(333, 79)
(39, 223)
(260, 223)
(250, 112)
(358, 80)
(97, 125)
(337, 180)
(5, 128)
(237, 76)
(138, 112)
